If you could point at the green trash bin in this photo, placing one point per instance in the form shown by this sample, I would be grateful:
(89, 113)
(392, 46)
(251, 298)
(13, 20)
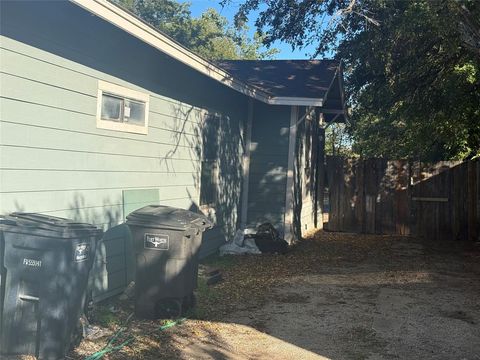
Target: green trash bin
(166, 242)
(45, 263)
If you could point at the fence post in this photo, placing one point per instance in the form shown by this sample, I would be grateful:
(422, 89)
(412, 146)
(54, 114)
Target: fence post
(472, 200)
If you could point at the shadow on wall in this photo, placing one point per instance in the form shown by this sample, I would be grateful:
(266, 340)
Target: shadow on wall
(154, 71)
(110, 212)
(298, 183)
(104, 216)
(268, 165)
(305, 172)
(268, 197)
(217, 142)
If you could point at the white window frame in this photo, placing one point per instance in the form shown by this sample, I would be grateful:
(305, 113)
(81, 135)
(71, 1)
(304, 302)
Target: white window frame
(123, 92)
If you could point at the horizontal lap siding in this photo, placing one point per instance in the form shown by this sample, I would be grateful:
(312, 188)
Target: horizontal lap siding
(54, 160)
(268, 165)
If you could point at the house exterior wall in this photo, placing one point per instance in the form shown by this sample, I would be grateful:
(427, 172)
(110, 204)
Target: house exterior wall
(268, 165)
(284, 179)
(307, 173)
(53, 158)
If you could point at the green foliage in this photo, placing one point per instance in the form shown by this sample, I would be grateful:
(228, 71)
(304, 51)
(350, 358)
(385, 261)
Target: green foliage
(104, 317)
(207, 296)
(416, 89)
(209, 35)
(338, 141)
(412, 68)
(222, 262)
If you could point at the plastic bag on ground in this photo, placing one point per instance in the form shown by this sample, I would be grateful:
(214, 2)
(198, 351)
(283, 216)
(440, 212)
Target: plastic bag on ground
(240, 245)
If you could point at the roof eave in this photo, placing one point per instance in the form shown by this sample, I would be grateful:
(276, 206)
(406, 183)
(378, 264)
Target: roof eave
(338, 76)
(148, 34)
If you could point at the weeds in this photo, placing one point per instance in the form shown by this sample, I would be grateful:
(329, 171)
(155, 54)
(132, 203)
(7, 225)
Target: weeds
(222, 262)
(105, 318)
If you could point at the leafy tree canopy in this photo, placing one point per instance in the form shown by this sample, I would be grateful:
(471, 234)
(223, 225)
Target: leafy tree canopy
(337, 141)
(412, 68)
(209, 35)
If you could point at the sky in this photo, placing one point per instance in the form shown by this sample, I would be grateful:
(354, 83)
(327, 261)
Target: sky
(199, 6)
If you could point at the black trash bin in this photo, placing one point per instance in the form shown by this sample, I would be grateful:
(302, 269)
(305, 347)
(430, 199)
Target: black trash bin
(44, 273)
(166, 242)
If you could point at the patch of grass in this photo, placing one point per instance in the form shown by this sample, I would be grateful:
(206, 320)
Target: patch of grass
(207, 297)
(104, 317)
(223, 262)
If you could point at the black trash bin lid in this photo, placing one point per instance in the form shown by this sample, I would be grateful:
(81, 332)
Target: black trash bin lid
(65, 228)
(7, 221)
(168, 218)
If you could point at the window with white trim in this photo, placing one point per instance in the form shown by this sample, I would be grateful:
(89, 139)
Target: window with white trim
(122, 109)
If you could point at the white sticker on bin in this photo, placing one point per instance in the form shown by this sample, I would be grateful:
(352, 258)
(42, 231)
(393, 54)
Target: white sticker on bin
(156, 241)
(82, 252)
(32, 262)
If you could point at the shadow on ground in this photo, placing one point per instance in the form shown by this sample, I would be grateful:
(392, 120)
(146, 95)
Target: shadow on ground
(336, 296)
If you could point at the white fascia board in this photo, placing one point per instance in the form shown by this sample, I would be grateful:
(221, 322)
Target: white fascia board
(295, 101)
(148, 34)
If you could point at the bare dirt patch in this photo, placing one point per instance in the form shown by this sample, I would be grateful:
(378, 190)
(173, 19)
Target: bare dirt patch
(335, 296)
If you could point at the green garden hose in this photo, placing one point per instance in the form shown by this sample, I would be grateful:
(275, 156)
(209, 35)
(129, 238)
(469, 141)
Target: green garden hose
(111, 347)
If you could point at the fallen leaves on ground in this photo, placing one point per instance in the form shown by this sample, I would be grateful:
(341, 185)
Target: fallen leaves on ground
(249, 281)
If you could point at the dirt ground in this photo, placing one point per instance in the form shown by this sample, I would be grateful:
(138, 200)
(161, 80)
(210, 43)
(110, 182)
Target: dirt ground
(333, 296)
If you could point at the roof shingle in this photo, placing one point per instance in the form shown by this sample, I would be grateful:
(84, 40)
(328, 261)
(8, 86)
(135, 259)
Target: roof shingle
(286, 78)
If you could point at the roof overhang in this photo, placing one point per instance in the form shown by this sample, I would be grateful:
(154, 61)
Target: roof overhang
(148, 34)
(335, 113)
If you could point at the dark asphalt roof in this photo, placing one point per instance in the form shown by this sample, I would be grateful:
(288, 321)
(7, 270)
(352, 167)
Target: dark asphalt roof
(290, 78)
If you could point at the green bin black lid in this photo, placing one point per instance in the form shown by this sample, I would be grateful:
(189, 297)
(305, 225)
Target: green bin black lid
(167, 217)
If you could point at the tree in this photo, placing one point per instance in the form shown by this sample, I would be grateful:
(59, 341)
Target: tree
(412, 68)
(209, 35)
(337, 141)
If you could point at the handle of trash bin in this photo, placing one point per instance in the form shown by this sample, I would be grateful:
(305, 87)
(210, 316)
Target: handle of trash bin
(205, 223)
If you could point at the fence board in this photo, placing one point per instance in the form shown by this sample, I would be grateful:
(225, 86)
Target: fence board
(439, 201)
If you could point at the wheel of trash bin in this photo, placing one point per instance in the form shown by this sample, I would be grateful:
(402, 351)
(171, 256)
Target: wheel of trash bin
(168, 308)
(189, 302)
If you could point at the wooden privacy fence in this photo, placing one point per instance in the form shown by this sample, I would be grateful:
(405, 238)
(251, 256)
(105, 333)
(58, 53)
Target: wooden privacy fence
(438, 201)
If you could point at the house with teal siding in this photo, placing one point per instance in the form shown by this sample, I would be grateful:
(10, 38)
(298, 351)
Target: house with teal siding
(101, 114)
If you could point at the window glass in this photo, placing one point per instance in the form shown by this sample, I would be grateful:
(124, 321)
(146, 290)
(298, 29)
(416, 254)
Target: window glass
(134, 112)
(111, 107)
(122, 109)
